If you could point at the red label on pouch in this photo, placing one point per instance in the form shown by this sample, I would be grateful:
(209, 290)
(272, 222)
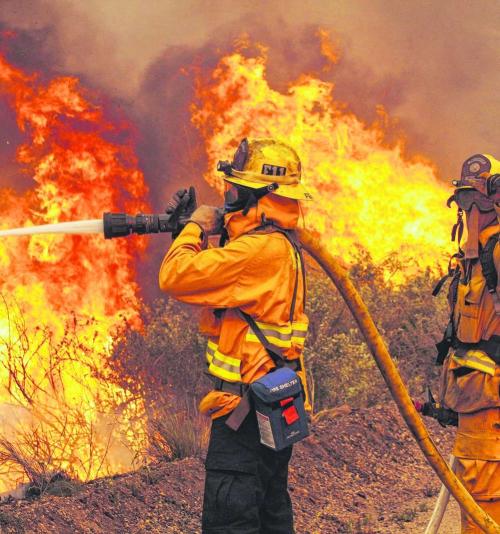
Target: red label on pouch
(290, 414)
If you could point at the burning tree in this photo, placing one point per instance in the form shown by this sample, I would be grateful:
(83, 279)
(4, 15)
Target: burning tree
(64, 296)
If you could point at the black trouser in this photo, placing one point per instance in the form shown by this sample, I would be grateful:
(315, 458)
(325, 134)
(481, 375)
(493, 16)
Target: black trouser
(246, 483)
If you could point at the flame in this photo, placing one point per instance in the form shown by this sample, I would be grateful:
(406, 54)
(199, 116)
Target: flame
(367, 192)
(328, 50)
(61, 296)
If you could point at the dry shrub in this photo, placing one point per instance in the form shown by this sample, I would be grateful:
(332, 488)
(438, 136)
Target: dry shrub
(177, 434)
(166, 365)
(29, 457)
(44, 454)
(165, 362)
(25, 462)
(61, 417)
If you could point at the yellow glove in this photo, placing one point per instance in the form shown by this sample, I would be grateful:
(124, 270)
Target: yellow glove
(209, 219)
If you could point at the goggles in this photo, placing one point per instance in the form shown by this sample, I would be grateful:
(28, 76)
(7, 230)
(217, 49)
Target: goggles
(465, 198)
(241, 156)
(235, 199)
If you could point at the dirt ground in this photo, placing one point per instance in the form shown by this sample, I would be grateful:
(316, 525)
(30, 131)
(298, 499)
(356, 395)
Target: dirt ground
(359, 472)
(449, 525)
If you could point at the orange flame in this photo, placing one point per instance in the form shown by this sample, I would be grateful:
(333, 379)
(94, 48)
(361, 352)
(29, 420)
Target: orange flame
(63, 296)
(366, 191)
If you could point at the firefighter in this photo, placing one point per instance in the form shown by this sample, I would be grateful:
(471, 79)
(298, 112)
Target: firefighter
(257, 273)
(470, 381)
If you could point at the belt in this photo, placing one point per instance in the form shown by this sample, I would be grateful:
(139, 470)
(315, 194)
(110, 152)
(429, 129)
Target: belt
(490, 346)
(240, 388)
(236, 388)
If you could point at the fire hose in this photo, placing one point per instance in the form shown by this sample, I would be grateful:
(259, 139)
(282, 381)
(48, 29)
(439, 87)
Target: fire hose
(118, 225)
(392, 378)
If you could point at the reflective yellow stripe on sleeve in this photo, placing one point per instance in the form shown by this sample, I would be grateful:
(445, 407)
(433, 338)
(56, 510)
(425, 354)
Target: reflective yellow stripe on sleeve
(222, 366)
(299, 332)
(211, 348)
(476, 359)
(280, 336)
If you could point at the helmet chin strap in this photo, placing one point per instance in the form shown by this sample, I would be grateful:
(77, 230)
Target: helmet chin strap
(472, 245)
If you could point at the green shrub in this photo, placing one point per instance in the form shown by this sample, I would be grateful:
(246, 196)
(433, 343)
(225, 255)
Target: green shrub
(340, 367)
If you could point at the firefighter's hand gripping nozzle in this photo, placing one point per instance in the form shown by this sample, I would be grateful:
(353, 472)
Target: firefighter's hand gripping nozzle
(121, 224)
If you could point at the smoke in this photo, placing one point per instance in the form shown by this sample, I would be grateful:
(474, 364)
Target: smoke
(431, 65)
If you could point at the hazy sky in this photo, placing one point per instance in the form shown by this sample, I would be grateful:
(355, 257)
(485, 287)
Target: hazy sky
(433, 64)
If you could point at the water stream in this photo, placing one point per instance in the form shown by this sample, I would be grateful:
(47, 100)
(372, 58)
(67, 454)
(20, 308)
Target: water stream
(91, 226)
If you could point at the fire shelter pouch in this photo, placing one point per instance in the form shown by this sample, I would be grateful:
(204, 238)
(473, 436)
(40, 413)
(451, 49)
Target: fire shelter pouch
(279, 404)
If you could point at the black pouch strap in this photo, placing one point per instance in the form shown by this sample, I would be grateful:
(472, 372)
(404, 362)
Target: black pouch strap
(238, 415)
(445, 344)
(489, 269)
(452, 273)
(274, 353)
(449, 336)
(487, 261)
(439, 285)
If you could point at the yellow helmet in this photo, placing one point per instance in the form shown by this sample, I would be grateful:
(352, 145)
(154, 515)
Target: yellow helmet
(266, 163)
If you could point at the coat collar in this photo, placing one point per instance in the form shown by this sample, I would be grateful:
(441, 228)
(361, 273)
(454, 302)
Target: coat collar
(284, 212)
